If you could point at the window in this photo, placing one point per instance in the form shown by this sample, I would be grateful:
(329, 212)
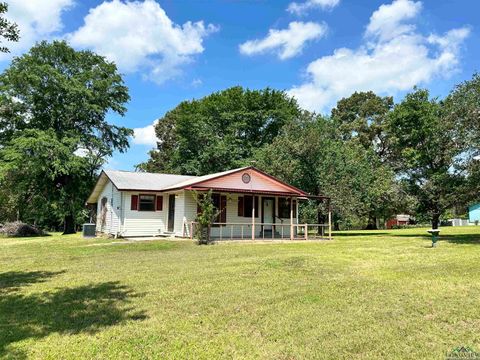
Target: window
(245, 206)
(146, 202)
(220, 203)
(284, 208)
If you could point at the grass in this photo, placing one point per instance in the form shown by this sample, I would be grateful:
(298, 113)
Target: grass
(364, 295)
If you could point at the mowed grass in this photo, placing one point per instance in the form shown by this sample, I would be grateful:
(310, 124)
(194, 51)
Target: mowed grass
(364, 295)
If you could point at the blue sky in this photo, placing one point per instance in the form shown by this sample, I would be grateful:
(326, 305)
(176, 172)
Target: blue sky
(317, 50)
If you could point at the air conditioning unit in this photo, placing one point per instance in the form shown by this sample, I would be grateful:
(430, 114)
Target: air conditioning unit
(89, 230)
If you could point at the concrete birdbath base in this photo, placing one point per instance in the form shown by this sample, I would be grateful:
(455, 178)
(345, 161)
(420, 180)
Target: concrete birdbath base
(434, 233)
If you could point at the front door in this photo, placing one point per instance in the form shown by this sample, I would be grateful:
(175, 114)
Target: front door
(268, 212)
(171, 212)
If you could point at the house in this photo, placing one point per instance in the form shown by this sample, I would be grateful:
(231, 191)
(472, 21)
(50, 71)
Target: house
(251, 204)
(474, 213)
(397, 220)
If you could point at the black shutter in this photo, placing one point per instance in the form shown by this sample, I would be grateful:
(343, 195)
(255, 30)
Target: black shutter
(159, 203)
(134, 202)
(240, 206)
(223, 209)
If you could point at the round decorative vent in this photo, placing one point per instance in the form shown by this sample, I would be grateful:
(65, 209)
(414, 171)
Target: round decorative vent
(246, 178)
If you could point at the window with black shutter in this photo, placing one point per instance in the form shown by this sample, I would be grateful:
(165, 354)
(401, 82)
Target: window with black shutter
(146, 202)
(248, 206)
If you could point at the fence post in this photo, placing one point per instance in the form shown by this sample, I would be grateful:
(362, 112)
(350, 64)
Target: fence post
(306, 231)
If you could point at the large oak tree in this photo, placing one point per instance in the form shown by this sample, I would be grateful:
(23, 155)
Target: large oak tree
(220, 131)
(428, 148)
(53, 106)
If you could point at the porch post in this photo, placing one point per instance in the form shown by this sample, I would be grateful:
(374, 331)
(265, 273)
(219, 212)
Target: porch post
(253, 217)
(291, 218)
(329, 221)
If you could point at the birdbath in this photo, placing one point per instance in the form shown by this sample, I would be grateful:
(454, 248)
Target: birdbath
(434, 233)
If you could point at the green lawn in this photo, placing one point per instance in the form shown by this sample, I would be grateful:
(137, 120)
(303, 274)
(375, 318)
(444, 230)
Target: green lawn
(364, 295)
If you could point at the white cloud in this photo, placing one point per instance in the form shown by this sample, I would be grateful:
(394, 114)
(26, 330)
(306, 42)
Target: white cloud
(145, 135)
(394, 57)
(140, 36)
(196, 82)
(37, 20)
(301, 8)
(387, 22)
(286, 43)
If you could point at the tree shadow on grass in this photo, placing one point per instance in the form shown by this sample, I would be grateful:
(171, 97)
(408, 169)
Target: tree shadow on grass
(83, 309)
(13, 280)
(370, 233)
(461, 238)
(451, 238)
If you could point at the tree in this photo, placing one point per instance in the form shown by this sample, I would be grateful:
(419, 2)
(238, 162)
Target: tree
(56, 99)
(362, 118)
(36, 166)
(427, 146)
(462, 107)
(220, 131)
(8, 30)
(309, 154)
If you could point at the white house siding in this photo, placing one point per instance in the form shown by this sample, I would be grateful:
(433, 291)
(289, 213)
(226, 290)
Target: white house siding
(143, 223)
(111, 225)
(121, 220)
(232, 217)
(190, 211)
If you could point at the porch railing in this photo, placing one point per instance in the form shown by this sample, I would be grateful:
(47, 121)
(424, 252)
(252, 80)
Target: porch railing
(263, 231)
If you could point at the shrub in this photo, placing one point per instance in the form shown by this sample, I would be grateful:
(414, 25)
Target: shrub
(20, 229)
(205, 217)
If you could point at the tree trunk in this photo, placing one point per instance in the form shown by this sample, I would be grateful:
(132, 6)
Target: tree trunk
(372, 223)
(435, 221)
(320, 220)
(69, 225)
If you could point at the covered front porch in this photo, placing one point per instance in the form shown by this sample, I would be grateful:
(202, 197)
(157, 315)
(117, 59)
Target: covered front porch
(263, 216)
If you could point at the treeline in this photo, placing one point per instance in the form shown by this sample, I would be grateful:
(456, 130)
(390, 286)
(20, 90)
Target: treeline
(373, 157)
